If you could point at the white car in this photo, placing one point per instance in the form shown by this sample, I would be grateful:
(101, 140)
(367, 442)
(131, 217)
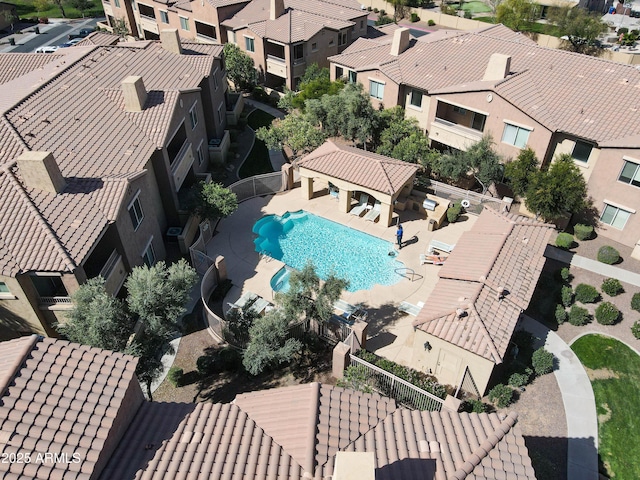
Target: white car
(47, 49)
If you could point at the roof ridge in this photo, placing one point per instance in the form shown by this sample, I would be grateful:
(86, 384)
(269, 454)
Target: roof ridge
(43, 223)
(485, 447)
(492, 345)
(18, 360)
(312, 432)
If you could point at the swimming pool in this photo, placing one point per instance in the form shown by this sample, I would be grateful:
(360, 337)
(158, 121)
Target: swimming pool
(297, 237)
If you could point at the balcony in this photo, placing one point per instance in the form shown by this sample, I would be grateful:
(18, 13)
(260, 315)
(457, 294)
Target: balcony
(114, 273)
(276, 66)
(453, 135)
(149, 24)
(55, 303)
(181, 164)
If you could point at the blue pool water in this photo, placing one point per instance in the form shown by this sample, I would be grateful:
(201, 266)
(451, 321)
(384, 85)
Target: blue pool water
(280, 281)
(297, 237)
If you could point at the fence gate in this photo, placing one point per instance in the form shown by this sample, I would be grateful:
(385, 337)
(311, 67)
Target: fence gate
(199, 258)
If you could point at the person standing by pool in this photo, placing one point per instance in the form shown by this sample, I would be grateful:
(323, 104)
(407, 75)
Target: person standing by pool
(399, 235)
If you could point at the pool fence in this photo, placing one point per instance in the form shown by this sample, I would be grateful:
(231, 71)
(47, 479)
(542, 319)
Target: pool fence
(266, 184)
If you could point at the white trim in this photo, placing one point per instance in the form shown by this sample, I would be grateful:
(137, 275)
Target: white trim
(192, 109)
(413, 107)
(7, 296)
(166, 12)
(135, 197)
(630, 159)
(376, 80)
(460, 105)
(215, 79)
(620, 206)
(270, 41)
(519, 125)
(146, 246)
(198, 149)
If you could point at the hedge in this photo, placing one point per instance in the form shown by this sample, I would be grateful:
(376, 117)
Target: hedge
(579, 316)
(586, 293)
(501, 395)
(607, 313)
(583, 232)
(635, 329)
(608, 255)
(542, 361)
(564, 240)
(612, 287)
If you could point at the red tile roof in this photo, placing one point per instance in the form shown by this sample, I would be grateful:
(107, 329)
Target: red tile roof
(487, 281)
(357, 166)
(61, 398)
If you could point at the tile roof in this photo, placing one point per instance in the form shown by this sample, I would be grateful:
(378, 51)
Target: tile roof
(295, 433)
(15, 65)
(487, 281)
(564, 91)
(62, 398)
(362, 168)
(99, 38)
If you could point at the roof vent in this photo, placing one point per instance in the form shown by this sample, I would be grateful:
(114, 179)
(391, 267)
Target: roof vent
(501, 293)
(354, 466)
(400, 41)
(498, 67)
(276, 9)
(40, 170)
(460, 313)
(135, 95)
(171, 40)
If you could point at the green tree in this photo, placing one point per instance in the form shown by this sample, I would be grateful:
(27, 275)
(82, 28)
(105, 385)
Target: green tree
(400, 9)
(81, 5)
(515, 14)
(479, 161)
(58, 3)
(240, 67)
(294, 132)
(149, 348)
(212, 200)
(581, 28)
(520, 171)
(315, 83)
(9, 16)
(557, 191)
(308, 298)
(402, 138)
(97, 318)
(120, 27)
(268, 343)
(41, 5)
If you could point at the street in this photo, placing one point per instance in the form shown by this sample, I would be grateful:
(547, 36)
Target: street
(50, 34)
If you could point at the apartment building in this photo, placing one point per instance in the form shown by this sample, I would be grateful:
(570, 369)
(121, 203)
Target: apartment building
(98, 145)
(284, 36)
(462, 85)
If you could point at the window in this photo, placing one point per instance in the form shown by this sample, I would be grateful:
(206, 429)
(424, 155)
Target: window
(135, 212)
(184, 23)
(205, 30)
(581, 151)
(149, 255)
(231, 35)
(249, 44)
(193, 116)
(332, 42)
(352, 76)
(216, 84)
(459, 110)
(117, 3)
(164, 17)
(516, 136)
(614, 216)
(298, 51)
(342, 38)
(4, 291)
(49, 285)
(630, 173)
(314, 47)
(361, 24)
(478, 121)
(416, 98)
(339, 72)
(200, 155)
(145, 11)
(133, 4)
(376, 89)
(221, 113)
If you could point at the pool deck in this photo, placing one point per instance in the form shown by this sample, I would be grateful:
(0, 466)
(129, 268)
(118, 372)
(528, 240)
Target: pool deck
(390, 332)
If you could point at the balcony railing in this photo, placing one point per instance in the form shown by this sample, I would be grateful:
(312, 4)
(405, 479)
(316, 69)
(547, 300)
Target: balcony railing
(113, 273)
(276, 66)
(452, 134)
(181, 165)
(52, 301)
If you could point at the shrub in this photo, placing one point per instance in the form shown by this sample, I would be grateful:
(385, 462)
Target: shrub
(635, 329)
(586, 293)
(583, 232)
(564, 240)
(431, 23)
(567, 296)
(383, 12)
(175, 376)
(565, 274)
(474, 406)
(622, 31)
(454, 212)
(206, 364)
(230, 359)
(369, 8)
(415, 17)
(542, 361)
(612, 287)
(260, 95)
(375, 10)
(578, 316)
(501, 395)
(467, 14)
(518, 380)
(635, 302)
(607, 313)
(608, 255)
(561, 314)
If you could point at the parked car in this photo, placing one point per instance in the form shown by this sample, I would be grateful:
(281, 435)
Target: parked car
(71, 43)
(47, 49)
(84, 32)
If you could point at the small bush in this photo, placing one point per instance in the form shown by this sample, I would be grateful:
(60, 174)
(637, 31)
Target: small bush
(431, 23)
(635, 302)
(608, 255)
(467, 14)
(579, 316)
(607, 313)
(586, 293)
(175, 376)
(230, 359)
(415, 17)
(383, 12)
(501, 395)
(567, 296)
(518, 380)
(260, 95)
(612, 287)
(454, 212)
(635, 329)
(561, 314)
(564, 240)
(622, 30)
(565, 274)
(369, 8)
(207, 364)
(542, 361)
(473, 406)
(583, 232)
(375, 10)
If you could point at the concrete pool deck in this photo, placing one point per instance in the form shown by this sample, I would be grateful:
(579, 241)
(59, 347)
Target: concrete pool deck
(390, 331)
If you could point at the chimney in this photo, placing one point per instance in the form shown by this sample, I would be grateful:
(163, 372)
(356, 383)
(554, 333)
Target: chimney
(400, 41)
(134, 94)
(498, 67)
(277, 9)
(354, 466)
(40, 170)
(171, 40)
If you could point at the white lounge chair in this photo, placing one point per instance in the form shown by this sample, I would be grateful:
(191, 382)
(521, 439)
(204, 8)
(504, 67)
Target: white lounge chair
(410, 308)
(361, 206)
(344, 307)
(374, 213)
(441, 246)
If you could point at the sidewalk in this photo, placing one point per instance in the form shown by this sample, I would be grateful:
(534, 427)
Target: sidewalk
(579, 404)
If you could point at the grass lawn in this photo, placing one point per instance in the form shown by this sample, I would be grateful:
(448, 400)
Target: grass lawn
(616, 385)
(257, 161)
(473, 7)
(534, 27)
(27, 9)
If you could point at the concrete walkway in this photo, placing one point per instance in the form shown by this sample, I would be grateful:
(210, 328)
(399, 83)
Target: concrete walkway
(610, 271)
(579, 404)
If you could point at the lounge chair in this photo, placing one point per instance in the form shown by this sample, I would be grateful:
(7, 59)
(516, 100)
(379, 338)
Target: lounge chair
(361, 206)
(374, 213)
(440, 246)
(344, 307)
(410, 308)
(432, 259)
